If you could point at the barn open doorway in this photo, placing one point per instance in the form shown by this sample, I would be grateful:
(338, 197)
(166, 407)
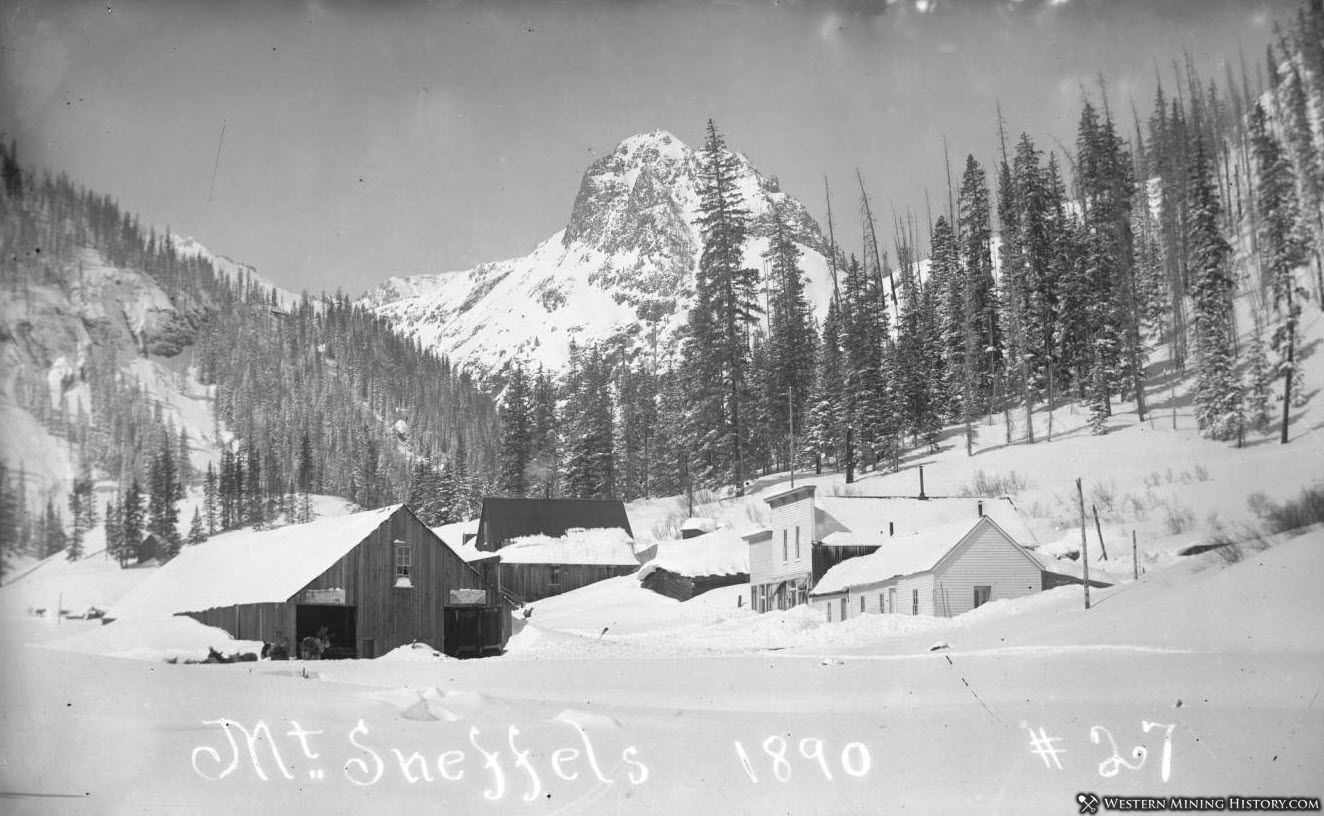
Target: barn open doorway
(340, 628)
(472, 632)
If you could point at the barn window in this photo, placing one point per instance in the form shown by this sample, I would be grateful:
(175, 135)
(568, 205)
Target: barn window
(914, 601)
(404, 560)
(982, 595)
(554, 577)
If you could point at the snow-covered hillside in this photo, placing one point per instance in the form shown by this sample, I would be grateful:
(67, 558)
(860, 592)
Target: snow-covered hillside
(623, 266)
(50, 329)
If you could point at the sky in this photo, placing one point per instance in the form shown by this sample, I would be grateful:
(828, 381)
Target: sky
(333, 144)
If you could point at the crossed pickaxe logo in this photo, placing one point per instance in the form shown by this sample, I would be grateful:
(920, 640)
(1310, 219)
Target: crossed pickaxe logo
(1089, 803)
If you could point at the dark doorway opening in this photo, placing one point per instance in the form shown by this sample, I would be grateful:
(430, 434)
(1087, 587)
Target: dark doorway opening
(341, 632)
(472, 632)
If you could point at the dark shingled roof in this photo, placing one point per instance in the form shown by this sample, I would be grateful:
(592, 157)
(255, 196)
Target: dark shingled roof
(504, 518)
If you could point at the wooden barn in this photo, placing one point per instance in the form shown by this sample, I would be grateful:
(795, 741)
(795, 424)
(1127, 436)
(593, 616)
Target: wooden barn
(375, 580)
(694, 565)
(505, 519)
(942, 571)
(539, 566)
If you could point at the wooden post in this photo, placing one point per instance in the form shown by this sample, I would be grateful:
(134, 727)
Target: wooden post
(1103, 549)
(1135, 560)
(1084, 543)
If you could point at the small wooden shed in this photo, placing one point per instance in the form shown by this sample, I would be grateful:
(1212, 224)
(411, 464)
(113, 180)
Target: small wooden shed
(692, 566)
(376, 580)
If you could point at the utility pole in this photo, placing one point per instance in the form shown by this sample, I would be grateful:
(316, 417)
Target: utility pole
(790, 425)
(1084, 543)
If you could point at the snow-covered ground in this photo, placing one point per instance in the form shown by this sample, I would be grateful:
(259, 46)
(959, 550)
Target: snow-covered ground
(1204, 667)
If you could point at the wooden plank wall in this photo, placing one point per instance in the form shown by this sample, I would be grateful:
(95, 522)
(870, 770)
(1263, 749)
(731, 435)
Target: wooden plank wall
(532, 582)
(389, 616)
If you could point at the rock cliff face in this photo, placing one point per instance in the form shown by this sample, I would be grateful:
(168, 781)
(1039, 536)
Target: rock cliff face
(622, 269)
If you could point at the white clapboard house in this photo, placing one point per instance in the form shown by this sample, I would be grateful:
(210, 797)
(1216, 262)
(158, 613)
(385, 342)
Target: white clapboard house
(809, 536)
(942, 571)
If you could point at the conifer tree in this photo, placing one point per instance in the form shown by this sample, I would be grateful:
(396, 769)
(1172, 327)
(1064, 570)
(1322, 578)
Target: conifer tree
(196, 533)
(790, 334)
(826, 416)
(725, 306)
(983, 338)
(163, 510)
(210, 500)
(1217, 394)
(131, 523)
(1283, 246)
(516, 434)
(1258, 387)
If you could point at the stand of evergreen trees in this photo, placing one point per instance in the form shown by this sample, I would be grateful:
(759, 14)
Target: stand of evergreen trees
(319, 397)
(1051, 277)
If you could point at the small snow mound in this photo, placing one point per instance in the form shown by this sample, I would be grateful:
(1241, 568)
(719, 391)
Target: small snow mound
(585, 719)
(177, 637)
(413, 653)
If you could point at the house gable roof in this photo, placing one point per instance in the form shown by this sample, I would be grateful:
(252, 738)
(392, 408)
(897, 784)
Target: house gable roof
(875, 520)
(504, 519)
(908, 555)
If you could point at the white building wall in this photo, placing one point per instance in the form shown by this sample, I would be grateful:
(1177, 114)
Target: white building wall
(988, 559)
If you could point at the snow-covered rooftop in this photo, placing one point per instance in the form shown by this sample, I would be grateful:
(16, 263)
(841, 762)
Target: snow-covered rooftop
(245, 567)
(857, 520)
(455, 533)
(721, 552)
(900, 555)
(703, 525)
(602, 546)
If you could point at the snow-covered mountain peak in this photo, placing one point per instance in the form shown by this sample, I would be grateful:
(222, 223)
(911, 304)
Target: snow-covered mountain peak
(623, 267)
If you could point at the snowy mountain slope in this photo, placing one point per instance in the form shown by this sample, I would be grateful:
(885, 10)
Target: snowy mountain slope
(48, 333)
(623, 266)
(232, 269)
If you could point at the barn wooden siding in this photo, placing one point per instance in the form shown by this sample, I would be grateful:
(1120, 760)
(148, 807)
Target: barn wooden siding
(386, 616)
(532, 582)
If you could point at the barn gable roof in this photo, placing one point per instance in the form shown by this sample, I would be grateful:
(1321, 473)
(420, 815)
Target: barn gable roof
(504, 519)
(246, 567)
(908, 555)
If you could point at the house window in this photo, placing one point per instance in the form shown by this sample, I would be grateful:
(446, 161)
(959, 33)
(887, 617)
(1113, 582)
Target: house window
(891, 599)
(843, 609)
(797, 542)
(861, 603)
(404, 560)
(554, 578)
(785, 555)
(983, 594)
(914, 601)
(829, 611)
(881, 608)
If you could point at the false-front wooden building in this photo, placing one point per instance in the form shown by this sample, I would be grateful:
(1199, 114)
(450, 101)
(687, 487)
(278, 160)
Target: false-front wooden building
(375, 580)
